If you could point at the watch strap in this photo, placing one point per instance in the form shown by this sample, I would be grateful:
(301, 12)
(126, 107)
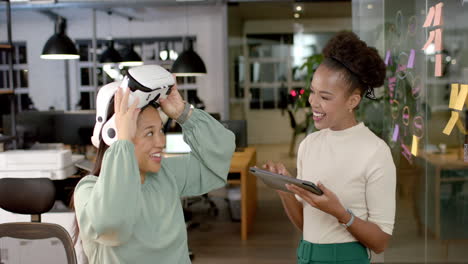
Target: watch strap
(351, 221)
(184, 116)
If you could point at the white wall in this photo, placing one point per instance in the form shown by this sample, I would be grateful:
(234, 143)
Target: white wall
(47, 79)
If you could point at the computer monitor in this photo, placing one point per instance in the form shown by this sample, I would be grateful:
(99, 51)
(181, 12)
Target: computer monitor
(175, 144)
(32, 127)
(239, 128)
(75, 128)
(71, 128)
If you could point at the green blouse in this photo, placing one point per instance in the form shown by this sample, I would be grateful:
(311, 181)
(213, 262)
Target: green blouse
(124, 221)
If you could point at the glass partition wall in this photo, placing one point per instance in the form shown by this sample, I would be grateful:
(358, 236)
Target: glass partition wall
(427, 72)
(423, 97)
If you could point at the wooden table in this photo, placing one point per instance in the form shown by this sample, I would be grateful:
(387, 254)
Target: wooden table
(441, 169)
(240, 163)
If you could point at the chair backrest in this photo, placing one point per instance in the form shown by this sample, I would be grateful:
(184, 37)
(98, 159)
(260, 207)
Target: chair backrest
(35, 233)
(32, 196)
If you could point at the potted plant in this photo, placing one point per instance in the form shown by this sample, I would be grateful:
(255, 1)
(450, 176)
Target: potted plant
(301, 98)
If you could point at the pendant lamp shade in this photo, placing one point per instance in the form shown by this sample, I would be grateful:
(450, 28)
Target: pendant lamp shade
(130, 57)
(189, 63)
(60, 46)
(110, 55)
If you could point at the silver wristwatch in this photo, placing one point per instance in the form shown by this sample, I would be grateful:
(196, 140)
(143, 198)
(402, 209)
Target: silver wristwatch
(184, 116)
(351, 221)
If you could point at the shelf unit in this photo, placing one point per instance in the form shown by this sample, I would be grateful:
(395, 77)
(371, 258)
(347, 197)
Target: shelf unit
(8, 48)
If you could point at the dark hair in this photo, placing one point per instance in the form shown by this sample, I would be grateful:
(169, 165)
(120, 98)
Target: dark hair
(361, 65)
(98, 161)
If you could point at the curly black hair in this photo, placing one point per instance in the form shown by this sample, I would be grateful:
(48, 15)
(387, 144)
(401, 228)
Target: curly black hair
(361, 65)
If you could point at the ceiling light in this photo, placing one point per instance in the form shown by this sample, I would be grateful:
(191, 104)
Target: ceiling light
(110, 55)
(60, 46)
(130, 57)
(189, 62)
(430, 50)
(164, 54)
(173, 55)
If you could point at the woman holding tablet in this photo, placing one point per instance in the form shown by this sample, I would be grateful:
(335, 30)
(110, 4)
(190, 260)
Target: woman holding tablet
(350, 164)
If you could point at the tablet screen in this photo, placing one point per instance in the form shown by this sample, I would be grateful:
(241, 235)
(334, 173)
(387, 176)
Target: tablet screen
(278, 181)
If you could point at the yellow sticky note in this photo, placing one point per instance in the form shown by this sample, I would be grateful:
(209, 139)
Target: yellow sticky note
(466, 99)
(414, 146)
(451, 123)
(453, 95)
(461, 98)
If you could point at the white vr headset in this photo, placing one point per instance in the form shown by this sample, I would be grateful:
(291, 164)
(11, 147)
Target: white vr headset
(149, 83)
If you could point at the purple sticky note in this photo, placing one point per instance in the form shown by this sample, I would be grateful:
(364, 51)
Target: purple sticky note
(395, 133)
(388, 60)
(411, 59)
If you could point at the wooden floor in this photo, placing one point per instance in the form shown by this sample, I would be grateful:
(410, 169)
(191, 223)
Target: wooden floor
(274, 240)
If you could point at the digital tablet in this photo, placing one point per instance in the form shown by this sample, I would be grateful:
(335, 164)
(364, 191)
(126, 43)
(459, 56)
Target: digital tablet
(278, 181)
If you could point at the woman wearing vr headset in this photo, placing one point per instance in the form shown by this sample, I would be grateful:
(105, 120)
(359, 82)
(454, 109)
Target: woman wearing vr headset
(129, 209)
(353, 167)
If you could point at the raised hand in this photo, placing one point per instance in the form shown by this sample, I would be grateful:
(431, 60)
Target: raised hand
(125, 116)
(172, 105)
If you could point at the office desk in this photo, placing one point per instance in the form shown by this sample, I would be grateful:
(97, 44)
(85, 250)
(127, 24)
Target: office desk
(240, 163)
(447, 202)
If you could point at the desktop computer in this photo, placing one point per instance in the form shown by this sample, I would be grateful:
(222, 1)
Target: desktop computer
(239, 128)
(71, 128)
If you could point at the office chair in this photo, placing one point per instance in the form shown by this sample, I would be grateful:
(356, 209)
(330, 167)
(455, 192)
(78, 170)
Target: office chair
(297, 130)
(33, 196)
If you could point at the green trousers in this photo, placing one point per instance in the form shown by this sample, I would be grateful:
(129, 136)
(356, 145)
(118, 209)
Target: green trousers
(343, 253)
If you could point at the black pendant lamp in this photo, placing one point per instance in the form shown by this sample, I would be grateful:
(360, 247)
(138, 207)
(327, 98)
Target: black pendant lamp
(189, 63)
(110, 55)
(130, 58)
(60, 46)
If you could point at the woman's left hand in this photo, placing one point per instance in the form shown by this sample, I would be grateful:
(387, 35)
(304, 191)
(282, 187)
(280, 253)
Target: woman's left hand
(328, 202)
(173, 105)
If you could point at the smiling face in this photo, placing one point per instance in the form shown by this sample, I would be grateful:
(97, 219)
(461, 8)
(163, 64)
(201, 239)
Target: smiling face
(331, 101)
(149, 141)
